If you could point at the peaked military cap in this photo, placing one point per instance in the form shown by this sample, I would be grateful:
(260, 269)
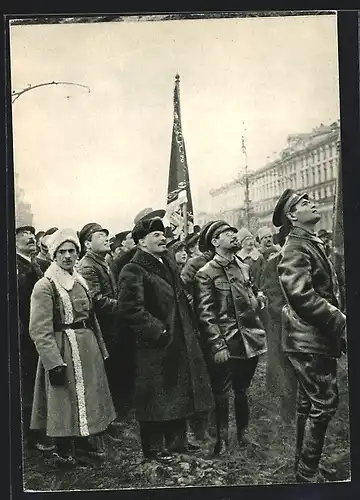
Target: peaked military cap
(89, 229)
(216, 228)
(202, 234)
(287, 200)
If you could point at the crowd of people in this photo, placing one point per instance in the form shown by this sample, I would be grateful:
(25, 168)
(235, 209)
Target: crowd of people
(169, 327)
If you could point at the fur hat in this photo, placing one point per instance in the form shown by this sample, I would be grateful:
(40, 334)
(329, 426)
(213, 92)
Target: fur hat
(243, 234)
(145, 227)
(56, 239)
(262, 232)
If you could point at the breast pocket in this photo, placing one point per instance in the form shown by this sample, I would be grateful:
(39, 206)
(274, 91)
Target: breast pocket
(223, 293)
(81, 305)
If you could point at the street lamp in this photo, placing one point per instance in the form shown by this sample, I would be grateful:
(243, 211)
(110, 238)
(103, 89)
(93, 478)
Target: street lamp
(16, 95)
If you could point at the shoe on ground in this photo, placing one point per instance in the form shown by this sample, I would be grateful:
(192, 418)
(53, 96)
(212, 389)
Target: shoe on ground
(90, 450)
(160, 456)
(221, 448)
(187, 448)
(45, 447)
(327, 471)
(316, 478)
(115, 432)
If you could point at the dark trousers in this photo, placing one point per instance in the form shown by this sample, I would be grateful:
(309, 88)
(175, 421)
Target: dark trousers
(160, 436)
(317, 402)
(235, 374)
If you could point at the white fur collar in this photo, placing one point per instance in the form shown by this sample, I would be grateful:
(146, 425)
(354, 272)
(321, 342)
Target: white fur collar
(63, 278)
(254, 254)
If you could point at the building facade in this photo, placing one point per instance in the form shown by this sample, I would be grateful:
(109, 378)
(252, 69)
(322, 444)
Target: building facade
(308, 163)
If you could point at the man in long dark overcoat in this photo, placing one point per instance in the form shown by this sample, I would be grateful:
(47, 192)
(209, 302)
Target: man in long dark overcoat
(314, 328)
(28, 273)
(172, 381)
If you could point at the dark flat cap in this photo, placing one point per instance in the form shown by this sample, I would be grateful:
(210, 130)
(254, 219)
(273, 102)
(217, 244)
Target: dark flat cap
(173, 241)
(149, 213)
(192, 239)
(21, 229)
(89, 229)
(147, 226)
(214, 229)
(121, 236)
(287, 200)
(51, 230)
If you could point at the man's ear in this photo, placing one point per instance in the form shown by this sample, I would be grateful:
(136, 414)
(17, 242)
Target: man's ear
(215, 242)
(142, 242)
(291, 216)
(87, 244)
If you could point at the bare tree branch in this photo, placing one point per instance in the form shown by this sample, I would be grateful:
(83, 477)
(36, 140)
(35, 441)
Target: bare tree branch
(16, 95)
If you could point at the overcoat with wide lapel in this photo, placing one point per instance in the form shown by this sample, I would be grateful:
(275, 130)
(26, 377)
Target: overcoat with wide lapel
(172, 380)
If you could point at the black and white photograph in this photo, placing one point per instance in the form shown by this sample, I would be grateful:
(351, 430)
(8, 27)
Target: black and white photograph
(178, 202)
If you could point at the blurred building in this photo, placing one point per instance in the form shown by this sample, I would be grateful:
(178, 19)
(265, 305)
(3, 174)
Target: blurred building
(308, 163)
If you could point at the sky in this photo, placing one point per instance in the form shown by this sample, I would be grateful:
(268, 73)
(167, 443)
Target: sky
(103, 156)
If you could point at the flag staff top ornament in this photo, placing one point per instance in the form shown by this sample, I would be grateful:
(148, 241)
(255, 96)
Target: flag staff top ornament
(179, 201)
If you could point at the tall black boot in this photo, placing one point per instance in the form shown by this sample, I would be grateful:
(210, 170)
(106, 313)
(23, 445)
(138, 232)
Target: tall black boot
(313, 442)
(300, 429)
(222, 425)
(242, 414)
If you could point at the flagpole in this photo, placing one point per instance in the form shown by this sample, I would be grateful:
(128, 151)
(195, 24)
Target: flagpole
(185, 216)
(338, 230)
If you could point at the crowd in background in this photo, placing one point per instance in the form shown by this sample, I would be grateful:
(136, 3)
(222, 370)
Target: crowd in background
(109, 326)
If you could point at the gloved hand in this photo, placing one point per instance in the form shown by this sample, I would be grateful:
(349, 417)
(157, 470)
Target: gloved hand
(57, 375)
(221, 356)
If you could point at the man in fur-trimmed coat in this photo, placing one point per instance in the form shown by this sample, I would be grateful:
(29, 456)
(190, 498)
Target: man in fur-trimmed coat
(172, 382)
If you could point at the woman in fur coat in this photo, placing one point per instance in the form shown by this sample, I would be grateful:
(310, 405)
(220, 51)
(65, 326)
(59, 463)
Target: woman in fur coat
(72, 400)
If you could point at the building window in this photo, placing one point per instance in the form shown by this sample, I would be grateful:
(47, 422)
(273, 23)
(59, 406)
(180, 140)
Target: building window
(319, 174)
(322, 193)
(324, 152)
(332, 169)
(331, 150)
(318, 154)
(306, 178)
(325, 172)
(312, 175)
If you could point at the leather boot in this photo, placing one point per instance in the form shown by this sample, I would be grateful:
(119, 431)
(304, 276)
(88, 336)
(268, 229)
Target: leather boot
(300, 429)
(222, 425)
(242, 414)
(313, 442)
